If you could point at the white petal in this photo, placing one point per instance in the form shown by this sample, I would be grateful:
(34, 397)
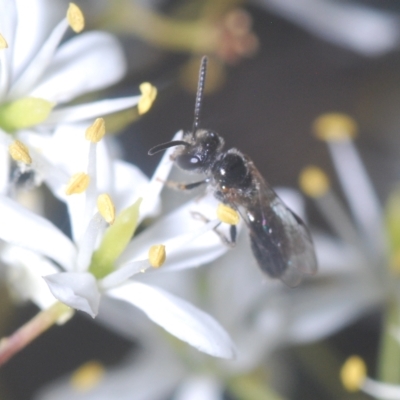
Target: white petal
(77, 290)
(39, 63)
(292, 199)
(236, 283)
(67, 152)
(359, 28)
(21, 227)
(87, 62)
(138, 370)
(45, 163)
(36, 19)
(325, 309)
(178, 317)
(8, 24)
(129, 184)
(88, 242)
(91, 110)
(4, 169)
(337, 258)
(205, 248)
(24, 276)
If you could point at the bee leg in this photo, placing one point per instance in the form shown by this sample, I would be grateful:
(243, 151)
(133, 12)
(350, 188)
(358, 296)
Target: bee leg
(233, 234)
(231, 241)
(185, 186)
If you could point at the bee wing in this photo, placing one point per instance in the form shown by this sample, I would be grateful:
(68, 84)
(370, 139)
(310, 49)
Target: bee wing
(280, 241)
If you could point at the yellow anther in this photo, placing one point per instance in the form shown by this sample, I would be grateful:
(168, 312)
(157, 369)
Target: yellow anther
(313, 181)
(157, 255)
(353, 373)
(75, 18)
(87, 376)
(334, 127)
(106, 208)
(149, 94)
(19, 152)
(3, 42)
(78, 183)
(227, 214)
(96, 131)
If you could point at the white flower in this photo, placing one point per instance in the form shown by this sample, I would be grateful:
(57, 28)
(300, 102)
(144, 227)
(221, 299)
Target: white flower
(363, 29)
(100, 261)
(264, 317)
(36, 81)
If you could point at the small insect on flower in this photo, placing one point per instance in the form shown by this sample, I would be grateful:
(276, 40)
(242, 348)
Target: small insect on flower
(280, 241)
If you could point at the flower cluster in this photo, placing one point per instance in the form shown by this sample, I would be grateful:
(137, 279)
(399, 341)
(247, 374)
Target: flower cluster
(106, 197)
(262, 318)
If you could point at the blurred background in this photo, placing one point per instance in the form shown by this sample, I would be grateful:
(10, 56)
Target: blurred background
(274, 67)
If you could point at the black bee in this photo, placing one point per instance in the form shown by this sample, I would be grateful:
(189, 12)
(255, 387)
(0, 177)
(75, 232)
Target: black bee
(280, 241)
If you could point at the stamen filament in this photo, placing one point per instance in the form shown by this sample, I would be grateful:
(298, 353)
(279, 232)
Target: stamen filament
(381, 390)
(88, 242)
(5, 74)
(359, 192)
(180, 241)
(91, 110)
(337, 217)
(123, 273)
(157, 181)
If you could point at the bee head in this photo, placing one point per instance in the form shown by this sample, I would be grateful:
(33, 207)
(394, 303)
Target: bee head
(200, 151)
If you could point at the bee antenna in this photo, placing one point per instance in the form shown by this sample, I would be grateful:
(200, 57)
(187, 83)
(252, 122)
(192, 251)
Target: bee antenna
(199, 94)
(164, 146)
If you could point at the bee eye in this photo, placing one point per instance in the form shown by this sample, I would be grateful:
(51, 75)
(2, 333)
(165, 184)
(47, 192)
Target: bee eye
(188, 161)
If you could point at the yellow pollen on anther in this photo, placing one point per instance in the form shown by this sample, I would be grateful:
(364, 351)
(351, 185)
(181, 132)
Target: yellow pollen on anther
(106, 208)
(149, 94)
(353, 373)
(334, 127)
(75, 18)
(157, 255)
(77, 184)
(3, 42)
(19, 152)
(87, 376)
(314, 182)
(227, 214)
(96, 131)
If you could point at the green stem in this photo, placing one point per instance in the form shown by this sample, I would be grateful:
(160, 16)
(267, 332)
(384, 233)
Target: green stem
(389, 352)
(11, 345)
